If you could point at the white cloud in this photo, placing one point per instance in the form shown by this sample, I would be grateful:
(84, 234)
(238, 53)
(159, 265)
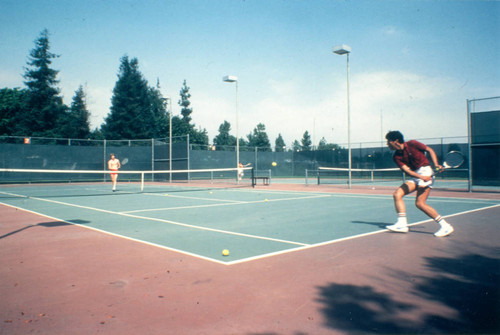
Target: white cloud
(412, 103)
(380, 101)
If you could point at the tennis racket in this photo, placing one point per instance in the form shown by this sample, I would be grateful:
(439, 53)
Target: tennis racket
(452, 160)
(124, 161)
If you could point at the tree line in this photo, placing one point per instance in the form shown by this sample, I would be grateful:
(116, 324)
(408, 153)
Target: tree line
(138, 110)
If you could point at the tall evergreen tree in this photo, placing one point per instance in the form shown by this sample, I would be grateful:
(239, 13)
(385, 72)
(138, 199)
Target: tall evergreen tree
(279, 144)
(306, 141)
(196, 136)
(259, 138)
(44, 106)
(184, 103)
(224, 140)
(76, 123)
(131, 115)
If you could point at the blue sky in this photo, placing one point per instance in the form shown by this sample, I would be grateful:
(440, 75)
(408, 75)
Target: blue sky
(412, 67)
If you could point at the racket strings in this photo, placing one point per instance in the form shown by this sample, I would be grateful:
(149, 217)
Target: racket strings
(454, 159)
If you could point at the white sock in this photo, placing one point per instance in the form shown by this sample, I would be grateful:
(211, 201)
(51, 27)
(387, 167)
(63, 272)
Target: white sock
(442, 222)
(402, 219)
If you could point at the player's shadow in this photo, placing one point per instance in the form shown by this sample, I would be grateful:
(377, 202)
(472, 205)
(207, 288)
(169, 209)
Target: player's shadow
(49, 224)
(381, 225)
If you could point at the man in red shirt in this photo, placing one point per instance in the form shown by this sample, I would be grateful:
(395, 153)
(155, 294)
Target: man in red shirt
(411, 159)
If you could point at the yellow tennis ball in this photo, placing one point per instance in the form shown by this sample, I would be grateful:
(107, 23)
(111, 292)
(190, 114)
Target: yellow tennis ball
(225, 252)
(274, 163)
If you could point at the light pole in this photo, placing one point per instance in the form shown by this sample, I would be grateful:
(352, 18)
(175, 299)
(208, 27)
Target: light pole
(170, 137)
(346, 50)
(234, 79)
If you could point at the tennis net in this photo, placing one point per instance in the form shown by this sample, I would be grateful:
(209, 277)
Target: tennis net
(138, 180)
(340, 176)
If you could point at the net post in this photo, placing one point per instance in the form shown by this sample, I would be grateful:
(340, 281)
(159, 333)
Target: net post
(469, 147)
(253, 177)
(142, 181)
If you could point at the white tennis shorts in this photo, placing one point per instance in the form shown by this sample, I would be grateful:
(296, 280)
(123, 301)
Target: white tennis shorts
(424, 171)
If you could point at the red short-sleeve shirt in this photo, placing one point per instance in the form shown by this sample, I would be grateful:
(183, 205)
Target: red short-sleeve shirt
(412, 155)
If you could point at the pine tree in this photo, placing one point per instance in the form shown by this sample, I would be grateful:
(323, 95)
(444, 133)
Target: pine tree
(306, 141)
(44, 107)
(184, 103)
(279, 144)
(224, 140)
(76, 123)
(131, 115)
(196, 136)
(259, 138)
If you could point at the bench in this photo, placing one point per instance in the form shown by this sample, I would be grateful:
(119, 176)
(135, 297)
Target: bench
(265, 180)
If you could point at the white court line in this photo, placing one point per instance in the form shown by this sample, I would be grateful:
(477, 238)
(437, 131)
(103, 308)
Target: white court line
(159, 220)
(302, 246)
(373, 196)
(222, 204)
(310, 246)
(165, 194)
(118, 235)
(181, 207)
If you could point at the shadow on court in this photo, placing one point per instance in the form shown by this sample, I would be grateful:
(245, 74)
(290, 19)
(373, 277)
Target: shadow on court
(381, 225)
(467, 285)
(50, 224)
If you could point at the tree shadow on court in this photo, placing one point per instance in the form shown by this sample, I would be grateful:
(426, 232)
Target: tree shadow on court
(468, 286)
(50, 224)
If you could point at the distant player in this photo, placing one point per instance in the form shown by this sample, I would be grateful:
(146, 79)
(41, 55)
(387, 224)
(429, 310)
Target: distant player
(114, 165)
(411, 159)
(241, 171)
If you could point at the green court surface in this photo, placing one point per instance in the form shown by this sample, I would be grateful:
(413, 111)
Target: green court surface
(250, 223)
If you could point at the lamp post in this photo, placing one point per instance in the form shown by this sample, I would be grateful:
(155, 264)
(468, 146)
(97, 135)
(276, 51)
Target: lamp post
(234, 79)
(346, 50)
(167, 99)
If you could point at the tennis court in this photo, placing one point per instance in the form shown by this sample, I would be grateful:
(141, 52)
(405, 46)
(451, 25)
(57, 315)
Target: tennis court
(203, 221)
(303, 260)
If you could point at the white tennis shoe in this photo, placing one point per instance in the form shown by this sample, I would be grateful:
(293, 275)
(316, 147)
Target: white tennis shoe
(398, 228)
(445, 230)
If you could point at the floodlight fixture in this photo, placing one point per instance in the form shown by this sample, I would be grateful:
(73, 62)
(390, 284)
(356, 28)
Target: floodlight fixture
(230, 79)
(342, 49)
